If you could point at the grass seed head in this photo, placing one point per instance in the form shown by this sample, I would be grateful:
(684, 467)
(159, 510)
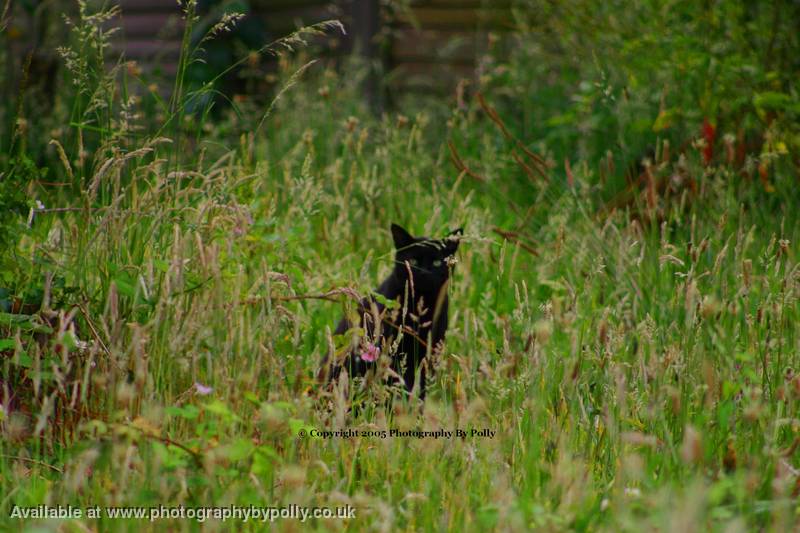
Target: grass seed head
(692, 447)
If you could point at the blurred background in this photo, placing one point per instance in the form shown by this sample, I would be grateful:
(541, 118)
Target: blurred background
(418, 45)
(571, 74)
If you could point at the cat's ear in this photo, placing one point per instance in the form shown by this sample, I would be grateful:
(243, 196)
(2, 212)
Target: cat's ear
(402, 239)
(452, 240)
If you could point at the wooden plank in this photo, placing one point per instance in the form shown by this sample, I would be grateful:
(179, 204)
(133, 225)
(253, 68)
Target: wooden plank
(445, 18)
(139, 6)
(412, 45)
(463, 4)
(156, 24)
(280, 23)
(428, 75)
(266, 6)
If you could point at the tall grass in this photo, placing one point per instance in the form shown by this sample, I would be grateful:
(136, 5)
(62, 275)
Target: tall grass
(636, 365)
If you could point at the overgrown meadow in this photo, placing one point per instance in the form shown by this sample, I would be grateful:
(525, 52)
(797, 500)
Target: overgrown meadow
(623, 313)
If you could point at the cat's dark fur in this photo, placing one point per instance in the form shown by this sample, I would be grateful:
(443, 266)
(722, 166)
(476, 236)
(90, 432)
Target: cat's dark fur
(418, 283)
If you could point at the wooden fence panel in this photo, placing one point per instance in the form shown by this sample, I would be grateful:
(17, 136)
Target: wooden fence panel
(438, 43)
(427, 45)
(150, 34)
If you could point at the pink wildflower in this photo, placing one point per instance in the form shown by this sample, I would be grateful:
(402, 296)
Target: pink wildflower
(371, 353)
(203, 390)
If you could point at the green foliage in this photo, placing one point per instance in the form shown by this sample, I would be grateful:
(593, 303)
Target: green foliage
(14, 200)
(586, 78)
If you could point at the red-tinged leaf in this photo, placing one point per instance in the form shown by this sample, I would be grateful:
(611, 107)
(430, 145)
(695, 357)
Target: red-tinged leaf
(709, 134)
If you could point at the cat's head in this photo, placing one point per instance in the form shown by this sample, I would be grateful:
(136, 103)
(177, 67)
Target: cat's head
(429, 261)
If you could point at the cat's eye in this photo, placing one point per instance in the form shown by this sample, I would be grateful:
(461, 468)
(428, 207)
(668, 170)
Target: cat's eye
(437, 263)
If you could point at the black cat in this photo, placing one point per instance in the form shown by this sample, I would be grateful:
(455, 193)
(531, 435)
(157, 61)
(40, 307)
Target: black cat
(418, 285)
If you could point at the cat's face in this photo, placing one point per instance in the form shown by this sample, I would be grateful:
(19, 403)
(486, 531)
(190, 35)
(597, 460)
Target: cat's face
(429, 261)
